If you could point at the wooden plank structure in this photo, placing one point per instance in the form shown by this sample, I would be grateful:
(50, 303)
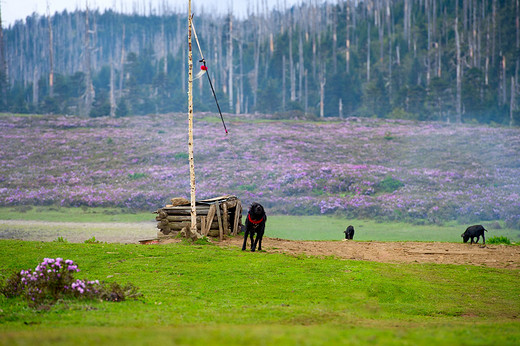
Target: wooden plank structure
(216, 217)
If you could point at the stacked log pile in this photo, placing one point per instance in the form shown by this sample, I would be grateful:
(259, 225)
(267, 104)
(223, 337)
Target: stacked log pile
(216, 217)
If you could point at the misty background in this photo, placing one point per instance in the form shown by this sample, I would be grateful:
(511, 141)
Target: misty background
(419, 60)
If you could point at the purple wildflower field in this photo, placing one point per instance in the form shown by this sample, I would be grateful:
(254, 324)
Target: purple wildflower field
(349, 167)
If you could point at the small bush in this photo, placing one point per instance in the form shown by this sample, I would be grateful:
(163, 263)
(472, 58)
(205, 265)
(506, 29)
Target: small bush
(181, 156)
(114, 292)
(53, 279)
(389, 184)
(61, 240)
(203, 241)
(136, 176)
(92, 240)
(499, 240)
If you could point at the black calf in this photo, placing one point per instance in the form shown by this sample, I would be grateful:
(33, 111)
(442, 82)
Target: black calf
(474, 231)
(349, 232)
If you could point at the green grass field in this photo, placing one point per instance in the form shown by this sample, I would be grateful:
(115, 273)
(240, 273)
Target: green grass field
(318, 227)
(85, 214)
(204, 294)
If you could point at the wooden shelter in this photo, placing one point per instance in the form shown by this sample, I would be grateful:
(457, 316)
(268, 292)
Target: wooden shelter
(216, 217)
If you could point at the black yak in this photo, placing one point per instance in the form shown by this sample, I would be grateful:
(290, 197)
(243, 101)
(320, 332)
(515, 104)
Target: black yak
(474, 231)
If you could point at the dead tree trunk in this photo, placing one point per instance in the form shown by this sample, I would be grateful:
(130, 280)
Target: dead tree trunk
(459, 73)
(323, 81)
(334, 39)
(230, 63)
(240, 97)
(429, 35)
(35, 91)
(3, 66)
(512, 102)
(164, 51)
(122, 63)
(35, 71)
(347, 40)
(112, 91)
(389, 28)
(291, 65)
(503, 81)
(493, 31)
(368, 51)
(89, 87)
(407, 21)
(301, 67)
(283, 84)
(51, 55)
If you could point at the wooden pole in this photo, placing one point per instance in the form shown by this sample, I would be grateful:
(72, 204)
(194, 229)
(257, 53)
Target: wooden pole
(193, 227)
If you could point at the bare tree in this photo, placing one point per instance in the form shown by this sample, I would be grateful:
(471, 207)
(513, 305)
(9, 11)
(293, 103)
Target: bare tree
(459, 73)
(35, 67)
(89, 94)
(3, 65)
(512, 102)
(112, 91)
(301, 67)
(407, 20)
(284, 88)
(51, 54)
(122, 63)
(230, 62)
(292, 74)
(503, 81)
(427, 8)
(323, 81)
(334, 38)
(368, 51)
(347, 40)
(35, 90)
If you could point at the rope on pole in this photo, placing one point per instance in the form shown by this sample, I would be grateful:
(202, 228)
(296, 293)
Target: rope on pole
(202, 60)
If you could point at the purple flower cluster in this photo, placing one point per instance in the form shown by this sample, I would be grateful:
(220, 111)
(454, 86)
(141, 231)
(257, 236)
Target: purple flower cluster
(447, 172)
(52, 279)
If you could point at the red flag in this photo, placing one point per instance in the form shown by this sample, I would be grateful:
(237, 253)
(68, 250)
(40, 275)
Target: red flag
(203, 68)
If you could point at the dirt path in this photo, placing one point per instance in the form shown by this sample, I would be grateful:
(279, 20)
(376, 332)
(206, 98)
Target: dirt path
(496, 256)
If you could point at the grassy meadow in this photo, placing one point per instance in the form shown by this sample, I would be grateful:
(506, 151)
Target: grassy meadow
(204, 294)
(74, 179)
(107, 224)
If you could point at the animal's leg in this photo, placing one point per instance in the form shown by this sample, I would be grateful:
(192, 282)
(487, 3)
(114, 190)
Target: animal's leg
(253, 245)
(258, 242)
(483, 238)
(246, 233)
(478, 238)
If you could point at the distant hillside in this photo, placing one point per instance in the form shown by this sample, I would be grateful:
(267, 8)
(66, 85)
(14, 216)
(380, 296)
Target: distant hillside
(409, 59)
(422, 172)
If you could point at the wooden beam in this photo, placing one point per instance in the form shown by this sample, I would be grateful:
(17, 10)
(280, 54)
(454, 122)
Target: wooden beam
(211, 216)
(225, 215)
(219, 218)
(238, 215)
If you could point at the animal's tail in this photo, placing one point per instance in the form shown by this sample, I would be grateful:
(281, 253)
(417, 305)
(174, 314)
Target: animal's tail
(485, 230)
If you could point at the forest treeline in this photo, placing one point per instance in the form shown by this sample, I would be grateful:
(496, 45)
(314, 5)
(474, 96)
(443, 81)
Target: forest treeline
(455, 61)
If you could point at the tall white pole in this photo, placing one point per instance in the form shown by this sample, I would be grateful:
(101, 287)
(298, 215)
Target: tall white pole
(193, 228)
